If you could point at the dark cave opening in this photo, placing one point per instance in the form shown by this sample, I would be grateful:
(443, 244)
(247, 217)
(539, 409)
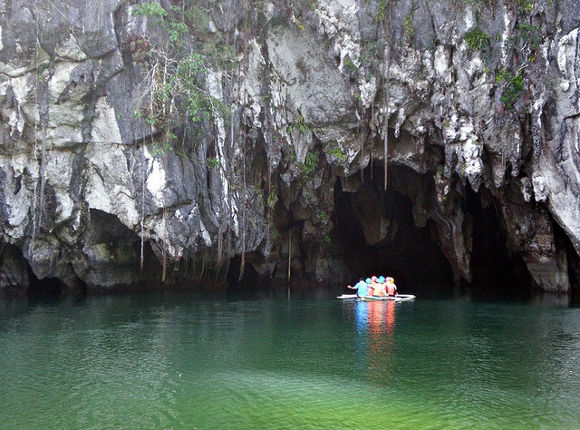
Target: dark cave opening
(18, 279)
(410, 253)
(50, 287)
(573, 260)
(403, 250)
(494, 268)
(249, 279)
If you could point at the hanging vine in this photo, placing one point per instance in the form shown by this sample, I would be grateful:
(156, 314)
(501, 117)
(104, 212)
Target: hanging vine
(387, 75)
(175, 92)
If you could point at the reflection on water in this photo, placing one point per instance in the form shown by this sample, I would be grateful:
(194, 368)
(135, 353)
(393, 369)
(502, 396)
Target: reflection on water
(375, 323)
(375, 318)
(184, 362)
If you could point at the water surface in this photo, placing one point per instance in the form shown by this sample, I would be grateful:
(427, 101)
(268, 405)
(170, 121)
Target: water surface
(152, 361)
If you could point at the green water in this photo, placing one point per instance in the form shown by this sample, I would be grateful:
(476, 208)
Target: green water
(185, 362)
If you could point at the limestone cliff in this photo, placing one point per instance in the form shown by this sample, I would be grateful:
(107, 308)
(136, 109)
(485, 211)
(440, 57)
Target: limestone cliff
(184, 141)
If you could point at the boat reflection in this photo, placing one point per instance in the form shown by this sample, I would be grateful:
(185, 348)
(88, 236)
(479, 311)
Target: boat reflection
(375, 322)
(375, 318)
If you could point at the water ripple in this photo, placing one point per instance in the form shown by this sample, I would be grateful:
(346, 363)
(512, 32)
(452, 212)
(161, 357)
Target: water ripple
(264, 364)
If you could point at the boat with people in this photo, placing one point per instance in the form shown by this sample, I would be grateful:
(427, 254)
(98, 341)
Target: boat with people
(375, 289)
(397, 298)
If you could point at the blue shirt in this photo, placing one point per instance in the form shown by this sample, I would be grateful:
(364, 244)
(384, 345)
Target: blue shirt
(361, 287)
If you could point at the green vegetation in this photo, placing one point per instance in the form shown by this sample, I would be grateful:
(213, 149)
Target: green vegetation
(502, 75)
(188, 81)
(382, 10)
(272, 198)
(177, 66)
(526, 5)
(310, 163)
(530, 35)
(322, 215)
(160, 148)
(150, 10)
(338, 153)
(408, 27)
(158, 16)
(525, 46)
(300, 124)
(197, 17)
(513, 90)
(477, 39)
(350, 64)
(212, 162)
(274, 233)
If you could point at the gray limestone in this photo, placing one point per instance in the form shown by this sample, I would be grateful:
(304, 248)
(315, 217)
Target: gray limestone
(84, 179)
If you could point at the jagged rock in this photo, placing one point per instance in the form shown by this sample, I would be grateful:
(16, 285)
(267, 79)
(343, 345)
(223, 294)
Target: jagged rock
(86, 175)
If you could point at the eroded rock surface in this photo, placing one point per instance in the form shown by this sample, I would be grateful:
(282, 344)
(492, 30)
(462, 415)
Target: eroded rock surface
(480, 95)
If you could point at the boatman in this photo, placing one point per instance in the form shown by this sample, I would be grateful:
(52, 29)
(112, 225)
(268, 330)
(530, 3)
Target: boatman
(360, 287)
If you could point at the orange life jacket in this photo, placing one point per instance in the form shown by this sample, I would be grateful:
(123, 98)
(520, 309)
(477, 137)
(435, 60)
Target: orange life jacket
(380, 290)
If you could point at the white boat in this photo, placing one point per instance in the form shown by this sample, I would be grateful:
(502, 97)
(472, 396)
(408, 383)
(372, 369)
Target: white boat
(397, 298)
(347, 296)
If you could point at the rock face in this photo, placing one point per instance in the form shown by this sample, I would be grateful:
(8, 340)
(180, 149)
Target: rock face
(127, 158)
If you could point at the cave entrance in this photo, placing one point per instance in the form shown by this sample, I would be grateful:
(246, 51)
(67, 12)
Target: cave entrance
(377, 232)
(495, 270)
(48, 287)
(250, 278)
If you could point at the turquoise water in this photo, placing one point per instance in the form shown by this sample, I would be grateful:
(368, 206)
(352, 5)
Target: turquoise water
(184, 362)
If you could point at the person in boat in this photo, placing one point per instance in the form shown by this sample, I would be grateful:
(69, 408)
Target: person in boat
(361, 288)
(371, 285)
(380, 286)
(391, 288)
